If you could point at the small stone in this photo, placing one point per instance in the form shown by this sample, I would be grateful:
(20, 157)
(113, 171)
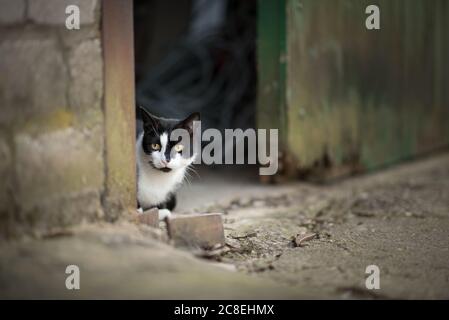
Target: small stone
(199, 230)
(149, 217)
(243, 235)
(245, 201)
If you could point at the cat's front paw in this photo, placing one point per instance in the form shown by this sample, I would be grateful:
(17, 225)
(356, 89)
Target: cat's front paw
(164, 213)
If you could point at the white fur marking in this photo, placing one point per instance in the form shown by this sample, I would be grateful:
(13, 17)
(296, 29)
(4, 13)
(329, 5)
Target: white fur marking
(164, 213)
(164, 139)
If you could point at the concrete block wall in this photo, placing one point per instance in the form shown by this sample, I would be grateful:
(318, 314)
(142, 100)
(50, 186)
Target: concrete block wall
(52, 164)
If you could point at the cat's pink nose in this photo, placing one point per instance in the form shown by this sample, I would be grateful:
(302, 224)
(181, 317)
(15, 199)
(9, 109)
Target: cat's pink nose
(164, 162)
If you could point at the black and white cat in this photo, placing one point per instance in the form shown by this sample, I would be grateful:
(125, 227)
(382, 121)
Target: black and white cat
(161, 164)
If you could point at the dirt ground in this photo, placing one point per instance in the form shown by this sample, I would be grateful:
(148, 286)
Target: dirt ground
(396, 219)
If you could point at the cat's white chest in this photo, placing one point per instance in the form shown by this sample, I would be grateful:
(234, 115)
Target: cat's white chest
(154, 187)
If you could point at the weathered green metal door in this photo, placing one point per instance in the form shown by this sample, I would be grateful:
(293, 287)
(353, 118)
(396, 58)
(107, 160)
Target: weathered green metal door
(346, 98)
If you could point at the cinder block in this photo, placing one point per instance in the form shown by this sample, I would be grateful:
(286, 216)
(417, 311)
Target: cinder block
(199, 230)
(149, 217)
(86, 71)
(68, 210)
(57, 164)
(12, 11)
(34, 78)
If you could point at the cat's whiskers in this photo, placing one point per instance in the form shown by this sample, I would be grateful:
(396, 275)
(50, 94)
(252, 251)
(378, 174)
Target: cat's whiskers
(186, 178)
(193, 170)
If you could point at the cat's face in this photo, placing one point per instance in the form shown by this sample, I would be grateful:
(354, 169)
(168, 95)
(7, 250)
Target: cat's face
(163, 154)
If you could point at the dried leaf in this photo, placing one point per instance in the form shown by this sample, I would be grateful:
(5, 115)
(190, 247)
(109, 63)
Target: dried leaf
(300, 239)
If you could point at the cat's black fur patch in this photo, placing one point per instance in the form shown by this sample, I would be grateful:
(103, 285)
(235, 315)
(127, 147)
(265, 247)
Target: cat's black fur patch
(170, 204)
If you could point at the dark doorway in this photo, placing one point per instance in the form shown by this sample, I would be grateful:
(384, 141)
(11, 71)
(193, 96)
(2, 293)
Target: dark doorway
(197, 55)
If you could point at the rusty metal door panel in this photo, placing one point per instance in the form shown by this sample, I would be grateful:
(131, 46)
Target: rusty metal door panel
(358, 99)
(271, 78)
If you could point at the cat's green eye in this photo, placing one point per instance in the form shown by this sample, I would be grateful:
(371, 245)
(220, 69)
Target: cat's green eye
(155, 146)
(179, 147)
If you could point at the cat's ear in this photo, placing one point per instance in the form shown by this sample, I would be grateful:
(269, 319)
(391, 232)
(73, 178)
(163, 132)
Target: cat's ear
(187, 123)
(150, 122)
